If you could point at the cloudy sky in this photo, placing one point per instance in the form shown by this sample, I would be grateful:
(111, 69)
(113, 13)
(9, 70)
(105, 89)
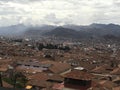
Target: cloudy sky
(59, 12)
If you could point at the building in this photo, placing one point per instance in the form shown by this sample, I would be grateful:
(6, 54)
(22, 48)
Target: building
(32, 66)
(77, 79)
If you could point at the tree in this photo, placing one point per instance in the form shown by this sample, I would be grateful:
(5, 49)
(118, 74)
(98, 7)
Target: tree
(1, 84)
(20, 76)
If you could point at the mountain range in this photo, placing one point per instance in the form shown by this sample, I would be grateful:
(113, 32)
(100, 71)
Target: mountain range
(68, 31)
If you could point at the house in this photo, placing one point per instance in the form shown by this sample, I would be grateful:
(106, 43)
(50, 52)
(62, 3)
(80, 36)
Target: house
(45, 66)
(96, 86)
(55, 78)
(116, 88)
(38, 81)
(77, 79)
(73, 62)
(57, 67)
(117, 80)
(87, 65)
(102, 69)
(3, 68)
(44, 80)
(59, 86)
(107, 84)
(116, 71)
(39, 85)
(32, 66)
(38, 76)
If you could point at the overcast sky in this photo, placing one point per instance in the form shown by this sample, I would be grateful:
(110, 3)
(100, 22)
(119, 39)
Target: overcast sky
(59, 12)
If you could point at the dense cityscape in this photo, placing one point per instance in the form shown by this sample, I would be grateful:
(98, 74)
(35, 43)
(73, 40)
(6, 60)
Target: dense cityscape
(52, 64)
(59, 44)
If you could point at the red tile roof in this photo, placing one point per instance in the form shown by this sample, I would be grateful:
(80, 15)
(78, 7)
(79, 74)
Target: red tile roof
(58, 86)
(107, 84)
(80, 75)
(38, 76)
(43, 84)
(116, 88)
(57, 67)
(116, 71)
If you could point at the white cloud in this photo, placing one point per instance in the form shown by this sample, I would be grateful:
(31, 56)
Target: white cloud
(59, 11)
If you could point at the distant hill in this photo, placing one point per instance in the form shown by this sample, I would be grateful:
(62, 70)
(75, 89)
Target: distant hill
(106, 31)
(13, 30)
(38, 30)
(63, 32)
(97, 30)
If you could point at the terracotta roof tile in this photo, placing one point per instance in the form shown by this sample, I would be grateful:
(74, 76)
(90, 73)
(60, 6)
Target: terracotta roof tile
(57, 67)
(116, 71)
(116, 88)
(38, 76)
(107, 84)
(39, 83)
(80, 75)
